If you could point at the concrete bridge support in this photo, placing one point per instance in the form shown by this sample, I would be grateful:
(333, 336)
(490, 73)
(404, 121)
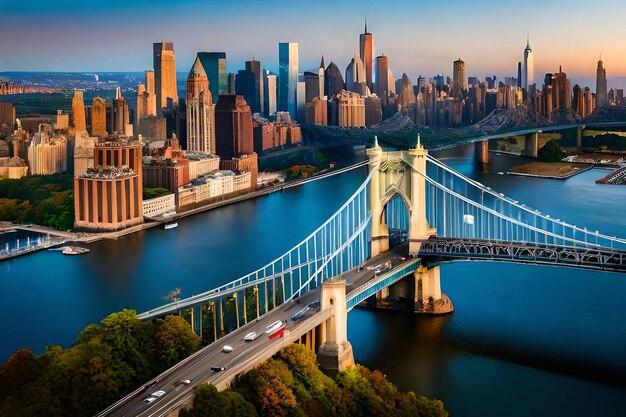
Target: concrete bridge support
(428, 297)
(532, 145)
(481, 152)
(335, 352)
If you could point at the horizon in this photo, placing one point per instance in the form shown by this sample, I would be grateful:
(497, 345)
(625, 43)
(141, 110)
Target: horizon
(117, 32)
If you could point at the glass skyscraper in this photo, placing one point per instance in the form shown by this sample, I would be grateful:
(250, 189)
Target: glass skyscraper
(214, 64)
(288, 78)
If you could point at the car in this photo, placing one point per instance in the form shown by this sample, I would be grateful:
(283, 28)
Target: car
(274, 326)
(227, 349)
(215, 369)
(250, 337)
(185, 382)
(154, 396)
(149, 385)
(300, 314)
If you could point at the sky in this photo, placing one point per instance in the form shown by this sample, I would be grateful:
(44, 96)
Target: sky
(420, 37)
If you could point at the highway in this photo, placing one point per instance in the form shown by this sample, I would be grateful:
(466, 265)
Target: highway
(245, 355)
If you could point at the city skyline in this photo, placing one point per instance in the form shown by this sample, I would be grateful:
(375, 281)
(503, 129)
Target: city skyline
(336, 36)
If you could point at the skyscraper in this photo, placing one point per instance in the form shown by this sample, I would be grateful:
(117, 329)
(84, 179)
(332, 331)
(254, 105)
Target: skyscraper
(142, 103)
(269, 87)
(78, 111)
(98, 117)
(288, 77)
(164, 74)
(528, 73)
(381, 88)
(233, 127)
(151, 104)
(561, 97)
(459, 81)
(333, 81)
(200, 111)
(601, 88)
(121, 112)
(355, 76)
(214, 64)
(249, 84)
(366, 41)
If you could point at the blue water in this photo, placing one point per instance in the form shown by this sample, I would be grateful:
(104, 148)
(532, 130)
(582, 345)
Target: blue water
(523, 340)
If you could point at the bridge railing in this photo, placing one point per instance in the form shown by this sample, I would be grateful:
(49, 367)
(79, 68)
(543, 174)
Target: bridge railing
(461, 207)
(339, 244)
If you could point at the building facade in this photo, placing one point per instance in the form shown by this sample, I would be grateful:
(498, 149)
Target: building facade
(214, 64)
(288, 77)
(165, 75)
(79, 121)
(200, 111)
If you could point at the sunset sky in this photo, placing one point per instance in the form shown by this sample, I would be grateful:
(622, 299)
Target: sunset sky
(419, 36)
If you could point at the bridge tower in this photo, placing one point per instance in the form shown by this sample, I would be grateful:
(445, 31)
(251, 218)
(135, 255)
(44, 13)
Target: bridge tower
(403, 173)
(335, 352)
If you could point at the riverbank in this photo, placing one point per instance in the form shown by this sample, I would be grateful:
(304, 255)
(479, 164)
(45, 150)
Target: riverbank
(550, 170)
(88, 238)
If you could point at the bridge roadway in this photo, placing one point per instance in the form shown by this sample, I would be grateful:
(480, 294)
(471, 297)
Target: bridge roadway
(245, 355)
(599, 258)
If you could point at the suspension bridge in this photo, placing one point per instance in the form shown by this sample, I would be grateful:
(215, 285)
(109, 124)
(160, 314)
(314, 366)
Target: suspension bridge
(385, 243)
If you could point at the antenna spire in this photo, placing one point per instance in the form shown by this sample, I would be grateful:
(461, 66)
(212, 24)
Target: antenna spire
(365, 24)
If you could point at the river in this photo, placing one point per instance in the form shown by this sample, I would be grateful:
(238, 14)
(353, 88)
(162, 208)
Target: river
(523, 340)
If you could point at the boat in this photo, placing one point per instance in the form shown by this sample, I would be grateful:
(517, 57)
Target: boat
(170, 225)
(73, 250)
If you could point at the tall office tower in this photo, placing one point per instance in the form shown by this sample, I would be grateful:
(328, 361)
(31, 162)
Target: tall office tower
(311, 86)
(269, 87)
(578, 101)
(7, 114)
(214, 64)
(421, 82)
(519, 74)
(231, 83)
(254, 67)
(381, 86)
(407, 97)
(98, 117)
(165, 75)
(152, 108)
(355, 76)
(333, 81)
(301, 99)
(121, 112)
(561, 91)
(200, 111)
(320, 72)
(588, 101)
(288, 77)
(459, 81)
(366, 43)
(142, 103)
(233, 127)
(601, 88)
(528, 73)
(78, 111)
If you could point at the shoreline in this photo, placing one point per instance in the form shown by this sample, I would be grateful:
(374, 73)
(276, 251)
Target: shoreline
(91, 237)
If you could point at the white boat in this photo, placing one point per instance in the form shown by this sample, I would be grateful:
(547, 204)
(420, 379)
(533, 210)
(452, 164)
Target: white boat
(170, 225)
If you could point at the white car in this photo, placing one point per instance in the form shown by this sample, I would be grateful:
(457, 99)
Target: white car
(227, 349)
(274, 326)
(250, 337)
(154, 396)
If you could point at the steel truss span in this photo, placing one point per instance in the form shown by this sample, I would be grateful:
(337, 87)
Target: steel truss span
(438, 249)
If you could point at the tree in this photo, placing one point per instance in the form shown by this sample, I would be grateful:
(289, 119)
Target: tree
(551, 152)
(21, 369)
(174, 340)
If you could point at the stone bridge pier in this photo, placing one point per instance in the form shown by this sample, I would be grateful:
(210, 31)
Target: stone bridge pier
(335, 351)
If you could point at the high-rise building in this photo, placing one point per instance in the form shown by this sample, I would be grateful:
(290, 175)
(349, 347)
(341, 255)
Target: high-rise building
(459, 81)
(200, 111)
(150, 90)
(121, 113)
(142, 103)
(528, 73)
(231, 83)
(79, 121)
(578, 101)
(47, 155)
(249, 84)
(355, 76)
(311, 86)
(233, 127)
(351, 109)
(98, 117)
(269, 87)
(165, 74)
(288, 77)
(214, 64)
(333, 80)
(561, 91)
(366, 43)
(381, 87)
(601, 87)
